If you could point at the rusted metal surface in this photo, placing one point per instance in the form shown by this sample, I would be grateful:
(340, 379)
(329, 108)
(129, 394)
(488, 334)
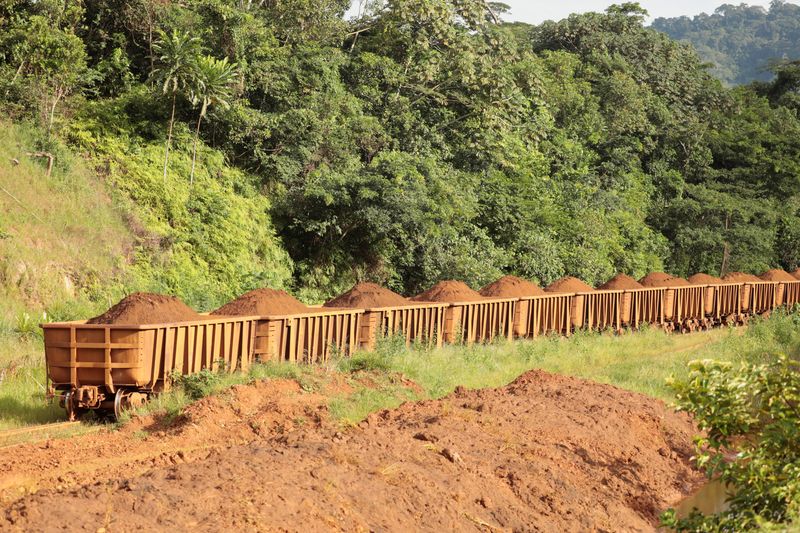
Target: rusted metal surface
(644, 306)
(725, 303)
(309, 337)
(603, 310)
(422, 322)
(544, 315)
(791, 293)
(479, 321)
(111, 356)
(689, 308)
(762, 296)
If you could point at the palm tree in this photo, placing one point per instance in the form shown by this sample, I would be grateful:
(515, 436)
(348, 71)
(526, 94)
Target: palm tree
(213, 85)
(177, 56)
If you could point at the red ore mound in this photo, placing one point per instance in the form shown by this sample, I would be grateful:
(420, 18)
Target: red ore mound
(511, 287)
(569, 284)
(620, 282)
(262, 302)
(449, 291)
(147, 308)
(367, 296)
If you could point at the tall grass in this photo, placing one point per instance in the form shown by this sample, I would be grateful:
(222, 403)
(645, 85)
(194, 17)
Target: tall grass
(638, 361)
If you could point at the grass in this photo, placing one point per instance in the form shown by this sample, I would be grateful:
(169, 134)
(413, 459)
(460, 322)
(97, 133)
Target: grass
(640, 362)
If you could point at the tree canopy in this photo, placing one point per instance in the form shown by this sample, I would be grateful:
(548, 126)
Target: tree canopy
(740, 41)
(426, 139)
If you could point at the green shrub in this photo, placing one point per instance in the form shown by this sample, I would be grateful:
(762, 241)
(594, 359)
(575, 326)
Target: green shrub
(753, 410)
(198, 385)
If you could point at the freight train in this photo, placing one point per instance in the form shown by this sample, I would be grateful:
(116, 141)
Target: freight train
(113, 367)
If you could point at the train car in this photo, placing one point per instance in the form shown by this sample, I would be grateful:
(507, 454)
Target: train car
(310, 337)
(645, 306)
(547, 314)
(113, 367)
(480, 321)
(417, 322)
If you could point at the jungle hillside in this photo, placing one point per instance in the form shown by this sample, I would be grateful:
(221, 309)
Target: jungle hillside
(742, 43)
(208, 147)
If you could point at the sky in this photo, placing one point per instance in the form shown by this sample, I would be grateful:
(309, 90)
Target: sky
(536, 11)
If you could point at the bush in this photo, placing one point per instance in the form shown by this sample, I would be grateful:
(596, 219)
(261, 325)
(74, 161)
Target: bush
(753, 410)
(198, 385)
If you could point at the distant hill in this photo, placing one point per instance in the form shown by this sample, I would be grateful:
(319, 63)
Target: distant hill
(741, 41)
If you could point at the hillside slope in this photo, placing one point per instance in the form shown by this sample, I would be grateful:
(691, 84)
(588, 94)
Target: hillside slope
(59, 233)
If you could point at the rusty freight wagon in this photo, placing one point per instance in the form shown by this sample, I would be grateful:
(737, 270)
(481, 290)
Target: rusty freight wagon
(724, 303)
(686, 307)
(791, 293)
(601, 310)
(644, 306)
(310, 337)
(479, 321)
(762, 296)
(420, 322)
(111, 367)
(544, 315)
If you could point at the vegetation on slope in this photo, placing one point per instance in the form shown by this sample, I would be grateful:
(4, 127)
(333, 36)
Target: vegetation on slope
(424, 140)
(740, 41)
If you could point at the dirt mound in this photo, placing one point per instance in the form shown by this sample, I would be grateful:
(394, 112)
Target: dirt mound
(244, 414)
(568, 284)
(147, 308)
(620, 282)
(545, 453)
(262, 302)
(449, 291)
(703, 279)
(655, 277)
(777, 274)
(671, 282)
(368, 295)
(511, 287)
(740, 277)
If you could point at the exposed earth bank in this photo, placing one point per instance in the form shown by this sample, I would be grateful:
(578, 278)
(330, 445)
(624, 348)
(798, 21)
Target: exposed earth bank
(546, 453)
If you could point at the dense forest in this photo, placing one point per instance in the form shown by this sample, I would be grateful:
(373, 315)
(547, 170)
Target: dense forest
(741, 42)
(277, 143)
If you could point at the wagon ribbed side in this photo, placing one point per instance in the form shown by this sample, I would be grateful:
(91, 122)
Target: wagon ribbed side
(479, 321)
(309, 337)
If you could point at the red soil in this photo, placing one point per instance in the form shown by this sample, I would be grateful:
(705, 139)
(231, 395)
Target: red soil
(777, 275)
(671, 282)
(511, 287)
(368, 295)
(620, 282)
(740, 277)
(703, 279)
(262, 302)
(545, 453)
(655, 277)
(449, 291)
(568, 284)
(147, 308)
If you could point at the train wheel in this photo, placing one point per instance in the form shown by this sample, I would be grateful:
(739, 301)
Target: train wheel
(73, 411)
(125, 400)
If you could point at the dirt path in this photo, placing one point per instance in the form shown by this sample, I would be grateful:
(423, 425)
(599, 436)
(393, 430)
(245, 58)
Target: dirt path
(546, 453)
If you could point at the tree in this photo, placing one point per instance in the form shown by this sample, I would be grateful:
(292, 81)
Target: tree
(751, 422)
(50, 59)
(177, 55)
(212, 85)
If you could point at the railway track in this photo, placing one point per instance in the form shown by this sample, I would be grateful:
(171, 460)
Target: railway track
(13, 437)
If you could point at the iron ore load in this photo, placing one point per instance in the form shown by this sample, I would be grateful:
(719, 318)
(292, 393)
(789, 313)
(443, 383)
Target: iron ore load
(119, 359)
